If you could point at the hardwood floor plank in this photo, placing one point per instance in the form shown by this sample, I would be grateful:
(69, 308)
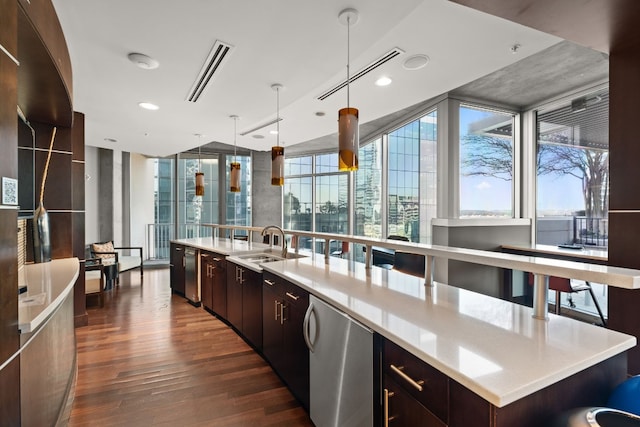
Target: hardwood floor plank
(148, 358)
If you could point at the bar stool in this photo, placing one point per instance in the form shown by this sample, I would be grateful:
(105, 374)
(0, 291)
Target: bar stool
(561, 284)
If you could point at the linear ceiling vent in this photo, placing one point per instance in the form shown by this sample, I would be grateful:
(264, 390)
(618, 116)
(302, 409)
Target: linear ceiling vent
(366, 70)
(218, 55)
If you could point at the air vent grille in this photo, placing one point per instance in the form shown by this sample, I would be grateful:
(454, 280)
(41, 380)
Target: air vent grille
(366, 70)
(217, 57)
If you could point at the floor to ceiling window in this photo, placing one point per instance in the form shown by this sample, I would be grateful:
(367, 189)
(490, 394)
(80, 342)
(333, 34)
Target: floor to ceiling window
(194, 210)
(486, 162)
(572, 168)
(368, 197)
(412, 180)
(238, 205)
(573, 172)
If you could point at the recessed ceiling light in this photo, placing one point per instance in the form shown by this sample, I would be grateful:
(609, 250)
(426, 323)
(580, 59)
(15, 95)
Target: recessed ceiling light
(383, 81)
(110, 140)
(143, 61)
(273, 132)
(415, 62)
(320, 113)
(258, 136)
(148, 106)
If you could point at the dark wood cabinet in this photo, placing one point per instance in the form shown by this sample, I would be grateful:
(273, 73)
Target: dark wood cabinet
(244, 303)
(177, 264)
(219, 285)
(252, 307)
(234, 296)
(415, 394)
(283, 308)
(206, 280)
(213, 283)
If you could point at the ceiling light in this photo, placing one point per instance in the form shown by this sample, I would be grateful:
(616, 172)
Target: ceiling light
(348, 138)
(277, 152)
(148, 106)
(110, 140)
(383, 81)
(320, 113)
(415, 62)
(273, 132)
(143, 61)
(258, 136)
(234, 170)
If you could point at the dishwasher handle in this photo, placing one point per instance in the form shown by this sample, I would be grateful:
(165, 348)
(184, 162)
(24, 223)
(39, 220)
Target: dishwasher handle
(305, 327)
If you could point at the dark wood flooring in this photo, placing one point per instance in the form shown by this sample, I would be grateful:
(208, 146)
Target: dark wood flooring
(149, 358)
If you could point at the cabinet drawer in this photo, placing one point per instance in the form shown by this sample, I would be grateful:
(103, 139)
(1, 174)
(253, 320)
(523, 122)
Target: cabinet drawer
(295, 295)
(426, 384)
(402, 410)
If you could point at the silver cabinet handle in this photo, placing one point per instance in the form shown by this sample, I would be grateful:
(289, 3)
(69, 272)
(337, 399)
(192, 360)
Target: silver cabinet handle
(283, 307)
(387, 418)
(276, 303)
(398, 370)
(292, 296)
(305, 327)
(184, 262)
(269, 282)
(216, 259)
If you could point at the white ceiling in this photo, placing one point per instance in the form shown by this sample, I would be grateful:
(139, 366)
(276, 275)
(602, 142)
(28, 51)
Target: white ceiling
(297, 43)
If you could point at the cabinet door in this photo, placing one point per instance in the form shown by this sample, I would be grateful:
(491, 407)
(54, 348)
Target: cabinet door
(271, 325)
(206, 281)
(295, 350)
(402, 410)
(177, 269)
(252, 308)
(234, 295)
(219, 286)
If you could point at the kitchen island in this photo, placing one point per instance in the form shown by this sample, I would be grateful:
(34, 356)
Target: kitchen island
(494, 356)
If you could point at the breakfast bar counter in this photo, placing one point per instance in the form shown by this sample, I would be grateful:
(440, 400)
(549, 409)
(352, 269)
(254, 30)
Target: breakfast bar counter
(493, 347)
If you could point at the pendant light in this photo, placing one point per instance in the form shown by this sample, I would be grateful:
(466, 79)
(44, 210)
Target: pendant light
(348, 134)
(234, 184)
(199, 174)
(277, 152)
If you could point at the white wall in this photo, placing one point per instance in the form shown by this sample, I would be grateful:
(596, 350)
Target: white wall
(91, 195)
(142, 198)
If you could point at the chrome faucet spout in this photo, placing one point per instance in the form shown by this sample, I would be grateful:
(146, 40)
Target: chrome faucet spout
(282, 239)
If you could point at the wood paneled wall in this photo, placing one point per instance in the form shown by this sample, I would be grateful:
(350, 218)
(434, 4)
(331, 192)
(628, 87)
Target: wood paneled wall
(9, 337)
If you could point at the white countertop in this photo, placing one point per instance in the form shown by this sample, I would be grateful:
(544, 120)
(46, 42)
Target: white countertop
(48, 284)
(223, 246)
(493, 347)
(587, 253)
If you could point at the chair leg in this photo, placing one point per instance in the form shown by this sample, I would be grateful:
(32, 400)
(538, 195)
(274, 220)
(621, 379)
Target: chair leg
(595, 301)
(558, 296)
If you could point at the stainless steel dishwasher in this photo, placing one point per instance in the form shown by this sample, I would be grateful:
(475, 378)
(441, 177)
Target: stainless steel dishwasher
(341, 367)
(191, 291)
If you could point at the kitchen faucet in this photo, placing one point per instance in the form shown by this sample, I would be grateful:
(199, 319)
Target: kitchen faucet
(282, 239)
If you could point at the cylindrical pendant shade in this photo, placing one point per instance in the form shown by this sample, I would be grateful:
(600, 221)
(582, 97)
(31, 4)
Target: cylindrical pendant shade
(234, 185)
(277, 166)
(199, 184)
(348, 139)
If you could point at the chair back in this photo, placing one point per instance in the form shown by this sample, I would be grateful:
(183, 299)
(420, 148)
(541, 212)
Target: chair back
(410, 263)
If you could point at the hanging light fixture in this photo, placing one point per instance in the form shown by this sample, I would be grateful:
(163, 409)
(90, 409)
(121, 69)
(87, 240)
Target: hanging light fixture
(277, 152)
(234, 184)
(348, 134)
(199, 174)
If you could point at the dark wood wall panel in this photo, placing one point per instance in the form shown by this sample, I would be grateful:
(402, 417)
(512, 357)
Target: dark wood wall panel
(9, 336)
(9, 26)
(57, 191)
(61, 224)
(77, 136)
(10, 394)
(624, 215)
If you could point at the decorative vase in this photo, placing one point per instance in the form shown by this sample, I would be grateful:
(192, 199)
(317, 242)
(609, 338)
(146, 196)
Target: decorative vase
(41, 236)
